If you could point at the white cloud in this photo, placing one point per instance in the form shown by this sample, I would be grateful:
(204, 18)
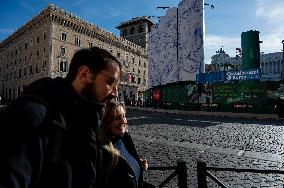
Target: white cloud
(272, 16)
(272, 41)
(271, 11)
(5, 30)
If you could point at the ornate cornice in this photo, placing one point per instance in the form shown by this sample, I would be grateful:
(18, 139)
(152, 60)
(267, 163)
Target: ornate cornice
(59, 16)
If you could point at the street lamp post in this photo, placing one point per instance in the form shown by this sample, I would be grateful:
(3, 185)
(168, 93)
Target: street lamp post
(178, 76)
(282, 62)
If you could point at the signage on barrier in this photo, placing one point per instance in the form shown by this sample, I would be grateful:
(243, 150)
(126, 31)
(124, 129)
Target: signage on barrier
(252, 74)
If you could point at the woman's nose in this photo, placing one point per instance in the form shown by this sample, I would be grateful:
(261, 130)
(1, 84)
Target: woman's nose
(123, 120)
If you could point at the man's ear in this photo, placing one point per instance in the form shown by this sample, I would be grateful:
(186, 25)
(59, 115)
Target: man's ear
(84, 74)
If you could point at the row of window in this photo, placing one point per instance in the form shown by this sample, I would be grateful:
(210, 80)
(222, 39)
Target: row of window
(139, 72)
(133, 30)
(77, 39)
(271, 67)
(130, 78)
(77, 42)
(133, 61)
(63, 53)
(10, 94)
(8, 65)
(137, 39)
(91, 44)
(23, 72)
(20, 48)
(73, 26)
(63, 66)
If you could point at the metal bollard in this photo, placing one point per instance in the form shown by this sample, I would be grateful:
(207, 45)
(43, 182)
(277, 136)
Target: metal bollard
(181, 174)
(201, 174)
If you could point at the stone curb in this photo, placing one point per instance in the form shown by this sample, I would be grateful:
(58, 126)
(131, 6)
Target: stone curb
(212, 114)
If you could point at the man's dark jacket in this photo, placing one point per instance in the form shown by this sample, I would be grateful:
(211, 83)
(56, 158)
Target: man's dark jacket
(41, 149)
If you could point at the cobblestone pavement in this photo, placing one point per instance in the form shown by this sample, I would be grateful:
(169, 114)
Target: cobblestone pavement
(163, 138)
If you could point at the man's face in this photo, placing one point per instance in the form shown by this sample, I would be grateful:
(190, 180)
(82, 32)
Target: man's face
(104, 86)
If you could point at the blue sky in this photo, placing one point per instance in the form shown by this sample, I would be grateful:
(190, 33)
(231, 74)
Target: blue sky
(223, 24)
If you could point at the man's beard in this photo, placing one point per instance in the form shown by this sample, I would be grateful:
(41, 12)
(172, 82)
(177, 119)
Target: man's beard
(107, 99)
(89, 90)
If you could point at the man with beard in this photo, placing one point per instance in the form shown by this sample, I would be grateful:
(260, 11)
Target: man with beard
(48, 136)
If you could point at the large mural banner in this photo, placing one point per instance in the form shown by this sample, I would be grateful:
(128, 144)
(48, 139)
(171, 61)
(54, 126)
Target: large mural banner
(175, 46)
(191, 39)
(163, 66)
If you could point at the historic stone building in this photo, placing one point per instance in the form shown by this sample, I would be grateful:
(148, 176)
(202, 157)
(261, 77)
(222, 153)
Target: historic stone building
(272, 66)
(45, 45)
(136, 30)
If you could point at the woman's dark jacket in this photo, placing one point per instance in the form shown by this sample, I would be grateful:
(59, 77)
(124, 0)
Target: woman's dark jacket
(122, 175)
(40, 149)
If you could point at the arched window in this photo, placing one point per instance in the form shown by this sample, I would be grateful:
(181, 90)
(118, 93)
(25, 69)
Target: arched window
(124, 32)
(14, 94)
(140, 28)
(133, 79)
(37, 70)
(6, 94)
(19, 91)
(31, 70)
(20, 73)
(132, 30)
(25, 71)
(10, 95)
(63, 66)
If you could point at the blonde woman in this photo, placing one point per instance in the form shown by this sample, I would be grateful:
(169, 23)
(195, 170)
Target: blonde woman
(122, 166)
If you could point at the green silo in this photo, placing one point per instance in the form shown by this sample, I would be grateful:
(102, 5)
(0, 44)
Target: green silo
(250, 50)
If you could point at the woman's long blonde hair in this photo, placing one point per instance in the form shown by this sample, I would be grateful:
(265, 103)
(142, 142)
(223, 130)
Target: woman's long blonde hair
(105, 135)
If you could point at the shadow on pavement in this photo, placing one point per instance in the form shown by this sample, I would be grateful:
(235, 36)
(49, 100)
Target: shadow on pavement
(147, 117)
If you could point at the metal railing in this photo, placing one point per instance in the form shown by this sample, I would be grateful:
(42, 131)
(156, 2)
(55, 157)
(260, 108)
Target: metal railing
(203, 171)
(180, 171)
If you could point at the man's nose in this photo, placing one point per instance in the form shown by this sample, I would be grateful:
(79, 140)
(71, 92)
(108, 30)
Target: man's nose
(114, 92)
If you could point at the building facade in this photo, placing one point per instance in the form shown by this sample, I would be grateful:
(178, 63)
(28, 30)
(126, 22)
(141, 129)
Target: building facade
(272, 66)
(45, 45)
(221, 61)
(136, 30)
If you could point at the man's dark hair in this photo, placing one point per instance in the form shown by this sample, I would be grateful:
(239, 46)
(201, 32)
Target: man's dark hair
(95, 58)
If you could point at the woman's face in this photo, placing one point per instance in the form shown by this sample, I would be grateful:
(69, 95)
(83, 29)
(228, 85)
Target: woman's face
(118, 125)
